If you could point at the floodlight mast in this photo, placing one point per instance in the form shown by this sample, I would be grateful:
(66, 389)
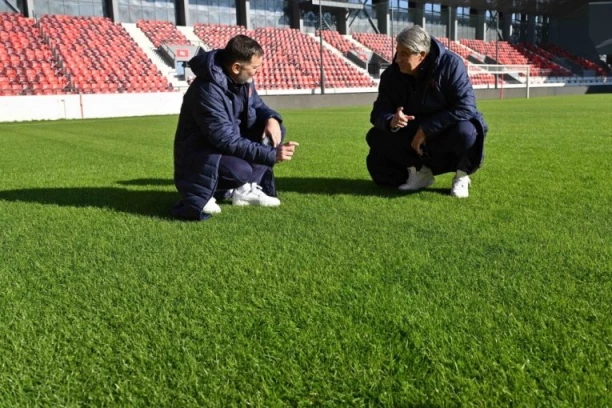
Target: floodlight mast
(322, 74)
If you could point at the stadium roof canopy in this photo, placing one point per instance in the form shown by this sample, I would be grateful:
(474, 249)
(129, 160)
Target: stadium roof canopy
(535, 7)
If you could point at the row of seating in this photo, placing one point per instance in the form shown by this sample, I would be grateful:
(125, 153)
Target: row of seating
(583, 62)
(382, 44)
(96, 53)
(162, 32)
(514, 54)
(27, 66)
(336, 40)
(217, 35)
(292, 58)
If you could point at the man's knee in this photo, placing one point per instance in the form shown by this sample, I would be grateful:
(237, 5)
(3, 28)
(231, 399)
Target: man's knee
(235, 171)
(374, 137)
(383, 172)
(465, 134)
(243, 174)
(376, 170)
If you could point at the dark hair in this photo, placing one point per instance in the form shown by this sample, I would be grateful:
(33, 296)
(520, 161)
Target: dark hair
(241, 49)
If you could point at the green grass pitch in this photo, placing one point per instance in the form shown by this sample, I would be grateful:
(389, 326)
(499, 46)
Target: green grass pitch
(346, 295)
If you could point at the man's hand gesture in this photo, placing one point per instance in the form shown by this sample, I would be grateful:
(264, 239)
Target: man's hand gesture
(418, 141)
(273, 131)
(399, 120)
(285, 151)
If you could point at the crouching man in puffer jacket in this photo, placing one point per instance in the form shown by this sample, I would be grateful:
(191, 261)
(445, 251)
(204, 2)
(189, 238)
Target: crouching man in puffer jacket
(227, 139)
(425, 118)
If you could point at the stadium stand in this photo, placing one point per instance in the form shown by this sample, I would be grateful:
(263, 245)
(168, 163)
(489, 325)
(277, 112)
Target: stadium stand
(381, 44)
(67, 54)
(217, 35)
(514, 54)
(26, 63)
(477, 75)
(292, 58)
(583, 62)
(162, 32)
(99, 56)
(336, 40)
(301, 50)
(460, 49)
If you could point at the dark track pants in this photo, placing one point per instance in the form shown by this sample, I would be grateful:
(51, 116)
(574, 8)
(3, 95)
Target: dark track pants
(391, 154)
(234, 172)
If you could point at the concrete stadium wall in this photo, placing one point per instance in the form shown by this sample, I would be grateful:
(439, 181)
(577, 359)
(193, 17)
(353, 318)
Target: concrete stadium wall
(362, 99)
(54, 107)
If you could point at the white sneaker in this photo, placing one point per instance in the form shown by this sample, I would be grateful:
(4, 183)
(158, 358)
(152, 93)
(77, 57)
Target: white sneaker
(461, 185)
(251, 194)
(211, 207)
(418, 179)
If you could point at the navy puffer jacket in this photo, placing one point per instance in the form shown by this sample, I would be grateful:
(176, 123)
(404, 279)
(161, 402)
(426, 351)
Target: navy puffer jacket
(441, 96)
(211, 122)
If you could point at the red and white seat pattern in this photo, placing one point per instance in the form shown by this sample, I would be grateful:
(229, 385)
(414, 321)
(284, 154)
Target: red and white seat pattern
(27, 66)
(100, 56)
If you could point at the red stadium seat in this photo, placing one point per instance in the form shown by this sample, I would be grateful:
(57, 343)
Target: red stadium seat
(162, 32)
(291, 57)
(94, 50)
(22, 51)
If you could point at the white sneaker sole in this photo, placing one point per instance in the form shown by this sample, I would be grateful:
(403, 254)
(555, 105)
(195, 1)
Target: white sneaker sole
(453, 194)
(405, 187)
(466, 194)
(244, 203)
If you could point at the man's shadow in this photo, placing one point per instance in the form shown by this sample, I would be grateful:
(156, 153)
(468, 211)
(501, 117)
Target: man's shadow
(155, 203)
(340, 186)
(313, 185)
(147, 203)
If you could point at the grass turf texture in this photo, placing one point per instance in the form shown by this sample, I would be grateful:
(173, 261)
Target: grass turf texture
(347, 294)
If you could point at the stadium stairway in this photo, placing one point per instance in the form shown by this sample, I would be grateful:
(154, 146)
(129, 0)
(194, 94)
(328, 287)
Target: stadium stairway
(382, 44)
(149, 49)
(292, 59)
(339, 42)
(290, 46)
(512, 54)
(162, 32)
(338, 53)
(190, 34)
(581, 61)
(357, 44)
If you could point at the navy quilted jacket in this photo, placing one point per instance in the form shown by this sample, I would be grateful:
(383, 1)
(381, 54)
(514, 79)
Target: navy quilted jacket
(440, 97)
(210, 124)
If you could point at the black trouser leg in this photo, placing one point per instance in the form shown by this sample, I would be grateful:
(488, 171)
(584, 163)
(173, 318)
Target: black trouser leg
(391, 155)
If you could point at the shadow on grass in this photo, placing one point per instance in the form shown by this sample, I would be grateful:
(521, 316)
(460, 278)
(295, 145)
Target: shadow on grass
(312, 185)
(148, 203)
(147, 182)
(332, 186)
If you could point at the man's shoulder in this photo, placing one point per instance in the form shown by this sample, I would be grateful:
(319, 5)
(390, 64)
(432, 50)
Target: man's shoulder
(200, 83)
(451, 65)
(205, 89)
(390, 70)
(449, 58)
(389, 74)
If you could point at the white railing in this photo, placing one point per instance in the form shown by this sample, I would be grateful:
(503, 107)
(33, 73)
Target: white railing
(519, 74)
